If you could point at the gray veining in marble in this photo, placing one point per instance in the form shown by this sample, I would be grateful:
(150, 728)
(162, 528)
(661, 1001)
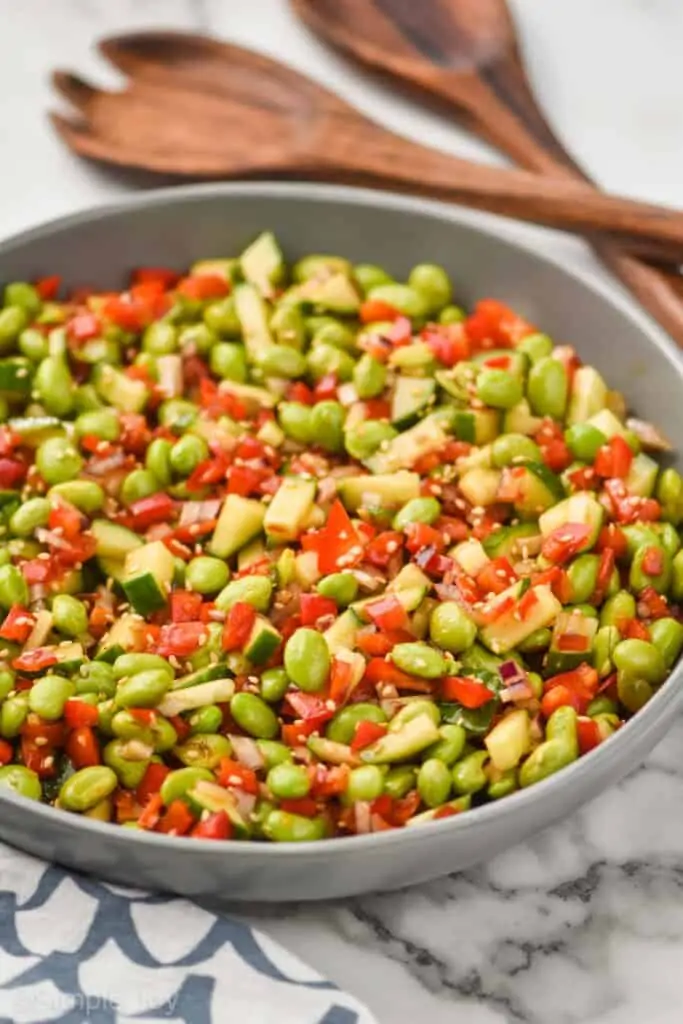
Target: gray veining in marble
(584, 923)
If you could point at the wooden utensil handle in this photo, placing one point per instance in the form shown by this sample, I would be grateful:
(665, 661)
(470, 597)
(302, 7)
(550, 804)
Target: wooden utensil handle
(573, 205)
(524, 135)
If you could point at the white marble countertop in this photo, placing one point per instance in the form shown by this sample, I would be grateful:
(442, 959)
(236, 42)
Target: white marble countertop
(585, 923)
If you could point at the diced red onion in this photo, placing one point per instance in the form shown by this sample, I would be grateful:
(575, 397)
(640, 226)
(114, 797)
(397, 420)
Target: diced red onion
(199, 511)
(247, 752)
(363, 816)
(101, 467)
(245, 802)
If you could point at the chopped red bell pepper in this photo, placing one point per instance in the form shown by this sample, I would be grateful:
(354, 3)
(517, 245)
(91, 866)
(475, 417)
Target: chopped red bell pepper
(238, 625)
(181, 639)
(653, 561)
(6, 752)
(558, 581)
(309, 707)
(388, 613)
(149, 818)
(338, 545)
(612, 536)
(632, 629)
(163, 276)
(496, 576)
(83, 327)
(558, 697)
(495, 325)
(48, 287)
(374, 310)
(18, 624)
(177, 820)
(575, 642)
(203, 286)
(564, 542)
(420, 535)
(314, 607)
(630, 508)
(38, 758)
(151, 782)
(186, 606)
(233, 773)
(12, 472)
(326, 388)
(604, 575)
(450, 343)
(383, 547)
(380, 671)
(214, 826)
(471, 693)
(588, 734)
(35, 660)
(367, 732)
(613, 459)
(81, 746)
(330, 781)
(78, 712)
(652, 605)
(157, 508)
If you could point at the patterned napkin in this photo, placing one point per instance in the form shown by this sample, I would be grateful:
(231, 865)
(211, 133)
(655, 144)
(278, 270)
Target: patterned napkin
(76, 950)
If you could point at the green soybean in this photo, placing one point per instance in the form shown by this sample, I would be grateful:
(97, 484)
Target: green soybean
(641, 576)
(498, 388)
(282, 827)
(13, 587)
(418, 510)
(144, 690)
(640, 659)
(86, 788)
(327, 424)
(288, 781)
(399, 781)
(369, 377)
(510, 448)
(451, 628)
(419, 659)
(468, 774)
(365, 783)
(402, 297)
(254, 590)
(48, 696)
(180, 782)
(21, 780)
(58, 461)
(274, 684)
(434, 782)
(69, 615)
(30, 516)
(559, 749)
(295, 420)
(584, 441)
(341, 587)
(547, 388)
(667, 636)
(431, 281)
(203, 751)
(365, 438)
(206, 574)
(254, 716)
(55, 388)
(307, 659)
(450, 747)
(342, 728)
(86, 495)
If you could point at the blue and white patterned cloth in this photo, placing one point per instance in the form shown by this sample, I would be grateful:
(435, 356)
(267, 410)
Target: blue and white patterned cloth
(76, 950)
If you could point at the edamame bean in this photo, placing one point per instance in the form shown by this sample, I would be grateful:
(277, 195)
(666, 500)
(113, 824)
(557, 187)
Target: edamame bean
(668, 538)
(221, 318)
(365, 438)
(177, 414)
(307, 659)
(640, 659)
(451, 745)
(365, 783)
(160, 338)
(370, 276)
(468, 775)
(48, 696)
(633, 691)
(33, 344)
(536, 642)
(86, 788)
(418, 659)
(327, 424)
(180, 782)
(95, 677)
(282, 361)
(669, 492)
(342, 728)
(434, 782)
(498, 388)
(133, 663)
(288, 327)
(601, 705)
(55, 387)
(403, 298)
(137, 485)
(228, 361)
(24, 296)
(253, 590)
(86, 495)
(102, 423)
(651, 567)
(144, 690)
(452, 315)
(7, 679)
(288, 781)
(676, 578)
(21, 780)
(618, 608)
(413, 708)
(13, 714)
(13, 587)
(208, 719)
(282, 827)
(399, 781)
(369, 377)
(606, 639)
(341, 587)
(295, 420)
(273, 752)
(323, 360)
(547, 388)
(203, 751)
(69, 615)
(583, 577)
(536, 346)
(158, 460)
(450, 627)
(254, 716)
(28, 517)
(418, 510)
(57, 460)
(510, 448)
(667, 636)
(559, 749)
(431, 281)
(274, 684)
(187, 453)
(584, 441)
(502, 785)
(13, 320)
(206, 574)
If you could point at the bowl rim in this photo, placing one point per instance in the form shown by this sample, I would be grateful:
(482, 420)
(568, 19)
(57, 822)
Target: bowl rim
(667, 700)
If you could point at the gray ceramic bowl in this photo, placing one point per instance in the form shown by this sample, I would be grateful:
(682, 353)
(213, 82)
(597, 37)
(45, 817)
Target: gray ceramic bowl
(177, 226)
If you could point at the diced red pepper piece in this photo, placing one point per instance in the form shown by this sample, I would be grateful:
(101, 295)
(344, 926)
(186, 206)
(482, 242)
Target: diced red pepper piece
(604, 576)
(564, 542)
(305, 806)
(203, 286)
(238, 625)
(380, 671)
(35, 660)
(81, 746)
(233, 773)
(420, 535)
(338, 545)
(561, 696)
(157, 508)
(151, 813)
(388, 613)
(653, 561)
(151, 782)
(374, 310)
(366, 733)
(495, 325)
(12, 472)
(6, 752)
(181, 639)
(613, 459)
(17, 625)
(185, 606)
(632, 629)
(588, 734)
(78, 712)
(83, 327)
(575, 642)
(38, 758)
(309, 707)
(612, 536)
(630, 508)
(215, 826)
(48, 287)
(496, 576)
(450, 343)
(157, 275)
(177, 820)
(471, 693)
(652, 605)
(330, 781)
(383, 547)
(314, 607)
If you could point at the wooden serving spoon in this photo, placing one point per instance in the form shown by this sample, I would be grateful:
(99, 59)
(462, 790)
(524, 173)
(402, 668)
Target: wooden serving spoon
(463, 55)
(201, 108)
